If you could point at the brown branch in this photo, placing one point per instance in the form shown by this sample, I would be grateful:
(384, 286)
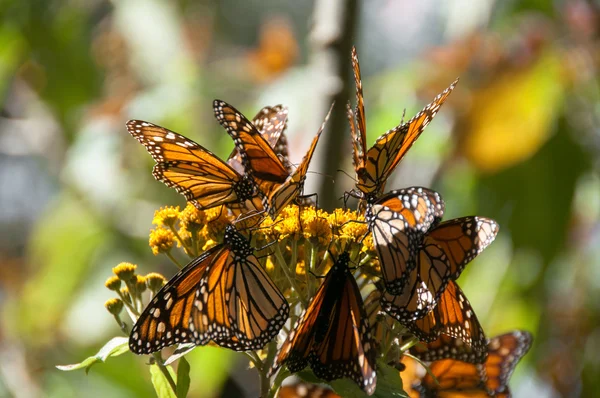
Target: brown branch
(332, 38)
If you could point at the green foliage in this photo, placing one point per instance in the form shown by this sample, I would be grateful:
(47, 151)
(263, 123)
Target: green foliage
(115, 347)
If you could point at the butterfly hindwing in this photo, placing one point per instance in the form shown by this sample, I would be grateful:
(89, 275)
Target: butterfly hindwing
(224, 295)
(332, 335)
(397, 222)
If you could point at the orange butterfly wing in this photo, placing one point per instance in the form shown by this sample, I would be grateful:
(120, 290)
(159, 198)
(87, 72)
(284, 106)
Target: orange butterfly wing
(259, 159)
(167, 318)
(397, 222)
(271, 122)
(224, 295)
(285, 193)
(460, 379)
(333, 335)
(192, 170)
(383, 157)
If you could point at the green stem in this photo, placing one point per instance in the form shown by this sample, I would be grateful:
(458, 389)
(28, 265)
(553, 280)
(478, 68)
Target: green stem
(281, 376)
(187, 249)
(174, 260)
(284, 266)
(313, 267)
(411, 342)
(159, 362)
(254, 359)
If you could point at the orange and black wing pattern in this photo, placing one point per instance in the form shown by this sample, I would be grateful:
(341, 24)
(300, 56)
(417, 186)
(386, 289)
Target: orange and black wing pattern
(260, 161)
(357, 119)
(292, 188)
(397, 222)
(204, 179)
(237, 298)
(374, 166)
(271, 122)
(332, 335)
(459, 379)
(224, 295)
(258, 157)
(442, 254)
(167, 318)
(452, 316)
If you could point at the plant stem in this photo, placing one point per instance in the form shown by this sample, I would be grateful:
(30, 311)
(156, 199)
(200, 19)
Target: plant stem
(187, 249)
(173, 259)
(159, 362)
(284, 266)
(281, 376)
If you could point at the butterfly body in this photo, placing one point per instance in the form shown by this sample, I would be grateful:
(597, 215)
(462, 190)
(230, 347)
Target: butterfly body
(277, 185)
(373, 166)
(332, 335)
(223, 295)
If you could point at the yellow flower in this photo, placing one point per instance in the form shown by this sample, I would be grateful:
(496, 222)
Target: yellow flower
(124, 271)
(186, 240)
(114, 306)
(140, 284)
(368, 244)
(161, 240)
(113, 283)
(216, 220)
(155, 281)
(192, 219)
(167, 216)
(286, 225)
(301, 268)
(354, 229)
(209, 243)
(315, 226)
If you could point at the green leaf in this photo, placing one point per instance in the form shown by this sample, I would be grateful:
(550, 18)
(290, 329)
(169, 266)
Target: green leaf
(179, 352)
(114, 348)
(389, 384)
(183, 378)
(161, 384)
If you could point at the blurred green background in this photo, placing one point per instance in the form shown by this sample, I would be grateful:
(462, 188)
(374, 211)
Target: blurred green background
(518, 141)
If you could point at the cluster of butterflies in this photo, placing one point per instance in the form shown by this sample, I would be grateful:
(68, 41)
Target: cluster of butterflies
(225, 296)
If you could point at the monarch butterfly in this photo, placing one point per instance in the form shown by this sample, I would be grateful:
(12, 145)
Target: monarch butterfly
(204, 179)
(223, 295)
(442, 255)
(460, 379)
(454, 317)
(271, 122)
(278, 186)
(332, 335)
(374, 166)
(397, 221)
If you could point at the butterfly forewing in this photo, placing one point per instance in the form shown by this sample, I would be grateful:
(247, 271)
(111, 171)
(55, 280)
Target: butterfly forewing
(199, 175)
(166, 319)
(285, 193)
(397, 222)
(461, 240)
(333, 334)
(238, 306)
(258, 157)
(455, 378)
(390, 148)
(271, 122)
(358, 119)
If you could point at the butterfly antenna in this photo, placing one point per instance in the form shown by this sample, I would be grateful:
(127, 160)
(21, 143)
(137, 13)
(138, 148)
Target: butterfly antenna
(403, 114)
(347, 175)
